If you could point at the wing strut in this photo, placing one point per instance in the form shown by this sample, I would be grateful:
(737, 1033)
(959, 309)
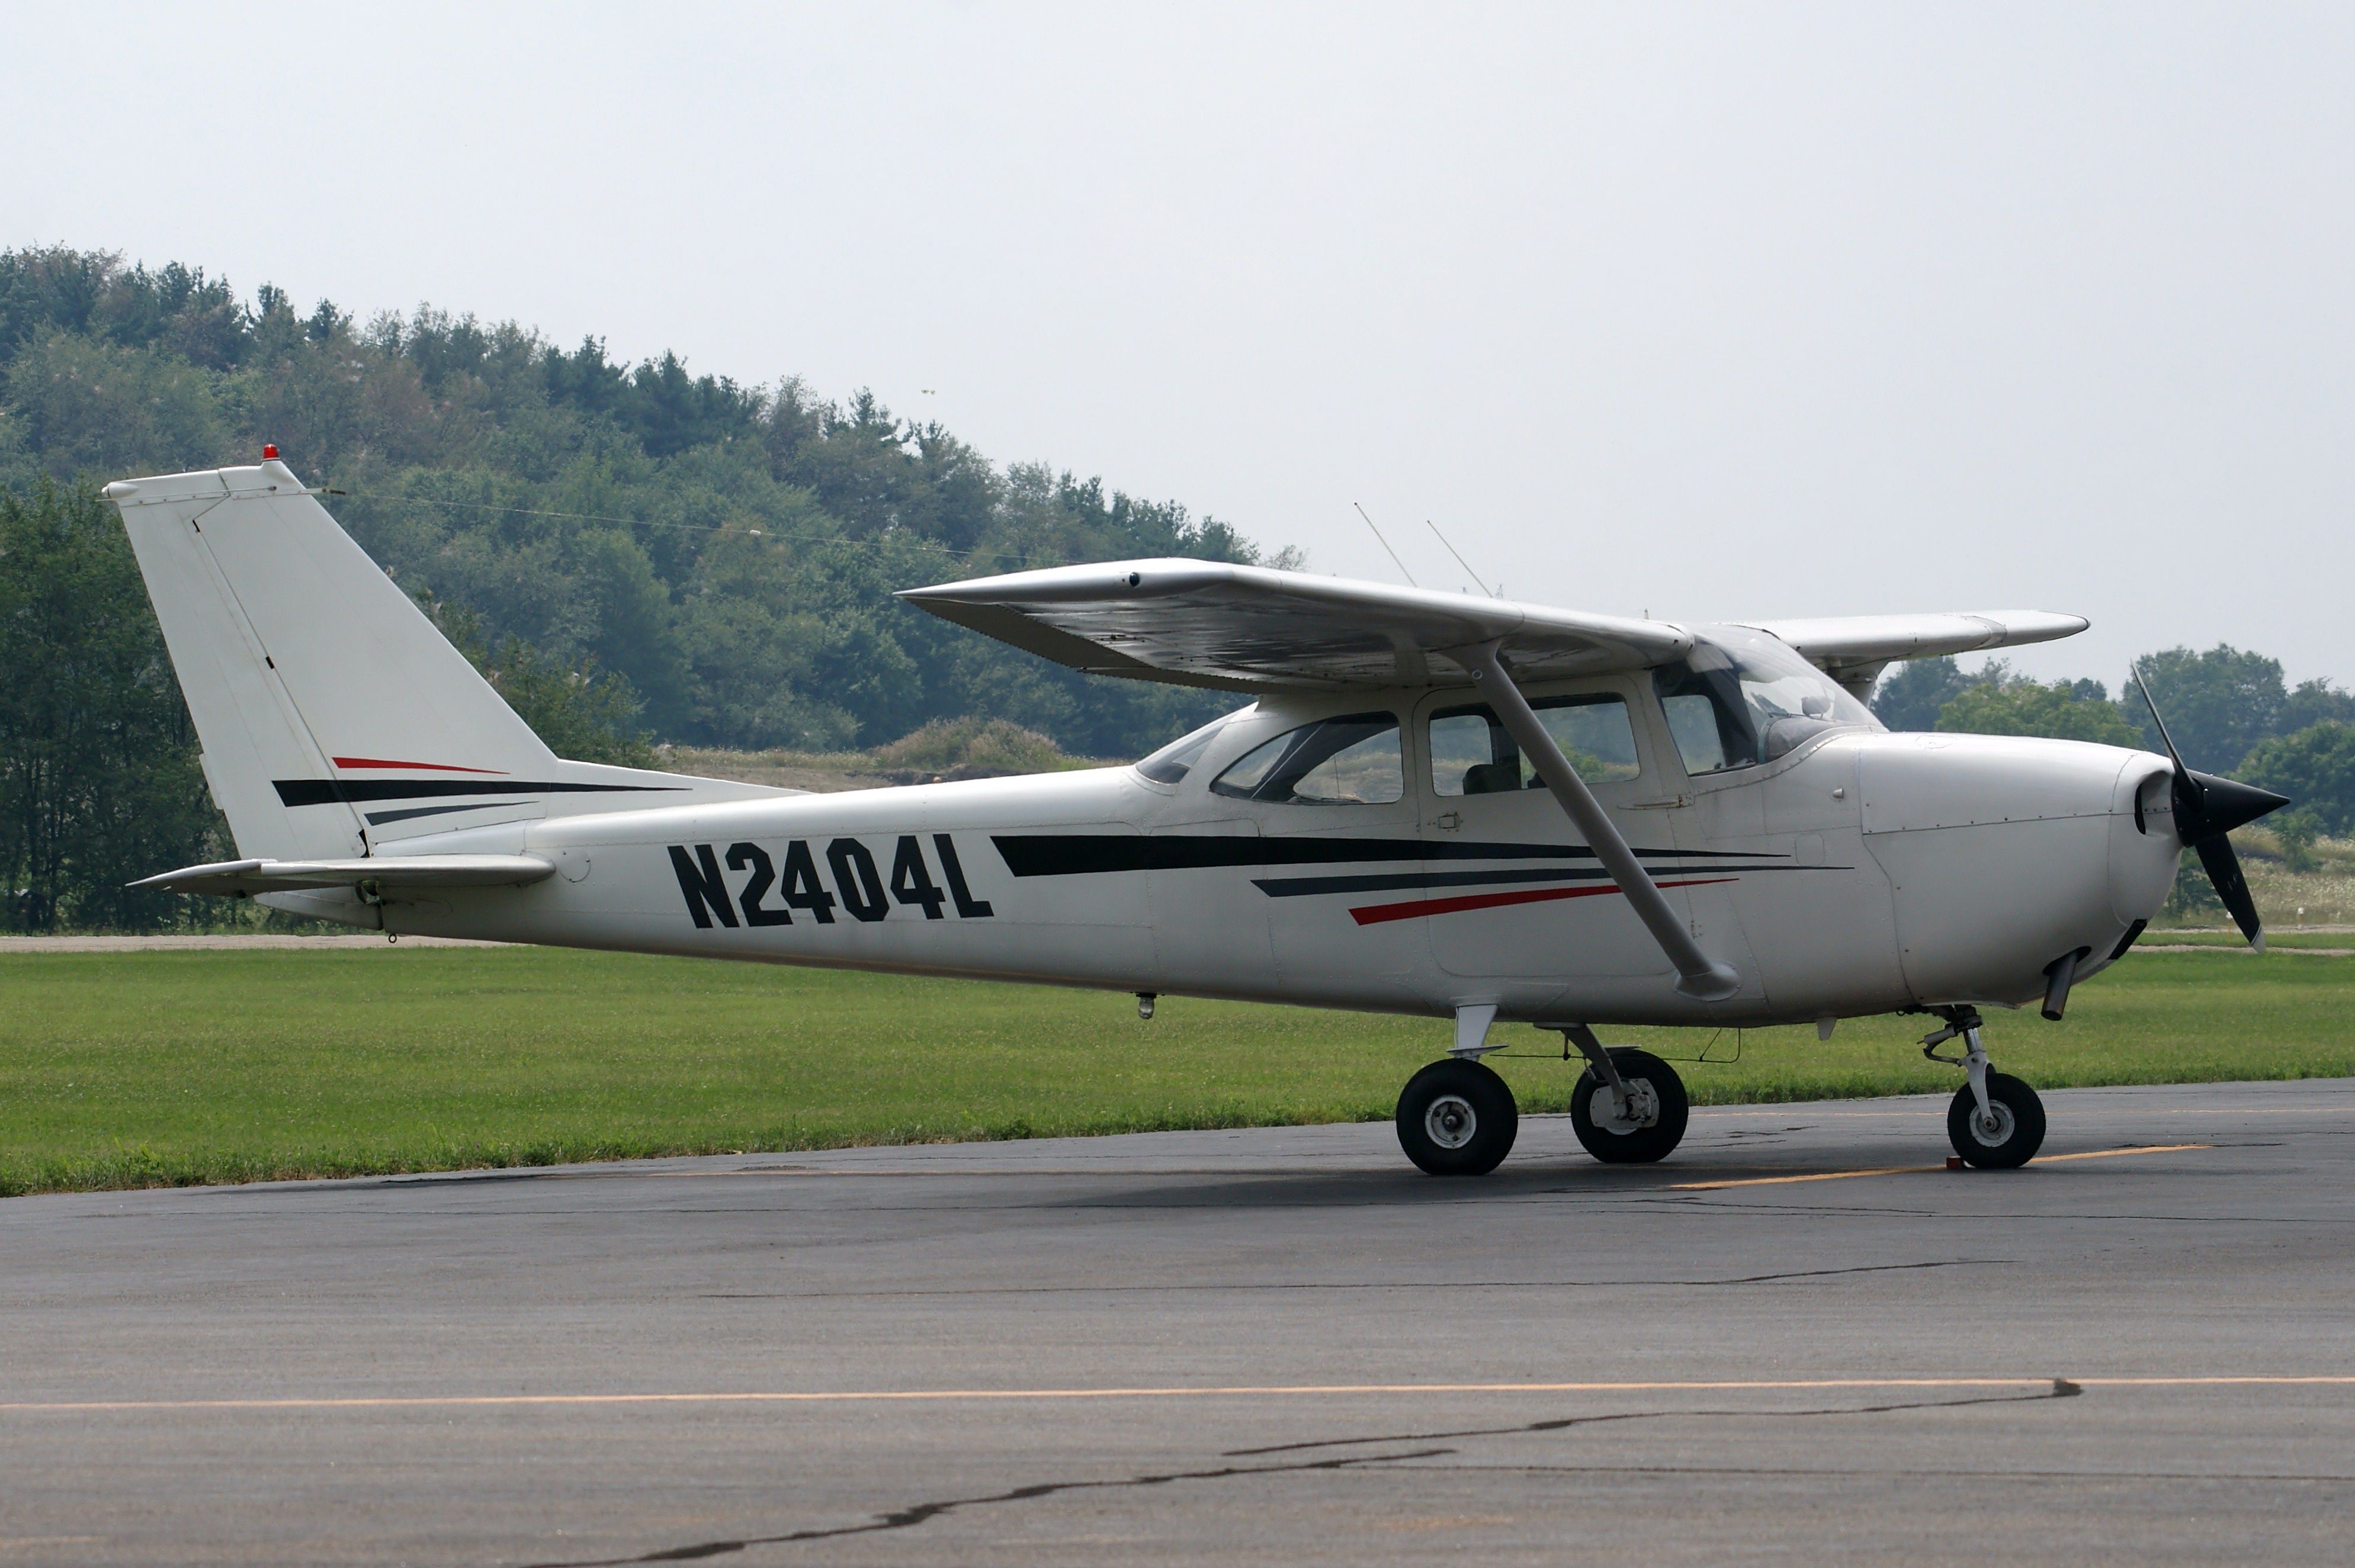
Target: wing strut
(1701, 977)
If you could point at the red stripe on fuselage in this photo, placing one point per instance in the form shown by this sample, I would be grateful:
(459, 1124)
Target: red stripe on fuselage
(1375, 914)
(421, 767)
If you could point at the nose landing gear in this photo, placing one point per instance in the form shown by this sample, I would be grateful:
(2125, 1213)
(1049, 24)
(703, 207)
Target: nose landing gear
(1996, 1121)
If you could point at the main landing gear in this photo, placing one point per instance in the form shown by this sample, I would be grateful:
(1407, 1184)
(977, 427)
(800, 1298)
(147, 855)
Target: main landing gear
(1457, 1118)
(1996, 1121)
(1629, 1106)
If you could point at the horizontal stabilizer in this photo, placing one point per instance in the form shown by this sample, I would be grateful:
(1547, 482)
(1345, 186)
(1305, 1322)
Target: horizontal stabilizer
(234, 878)
(1210, 623)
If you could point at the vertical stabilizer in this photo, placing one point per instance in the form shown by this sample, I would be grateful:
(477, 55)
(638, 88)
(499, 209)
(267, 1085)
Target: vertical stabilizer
(335, 716)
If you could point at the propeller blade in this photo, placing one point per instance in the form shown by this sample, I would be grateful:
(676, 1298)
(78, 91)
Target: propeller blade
(2206, 809)
(2223, 868)
(2164, 738)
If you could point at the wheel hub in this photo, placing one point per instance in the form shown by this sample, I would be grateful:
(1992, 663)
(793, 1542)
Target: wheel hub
(1451, 1121)
(1993, 1126)
(1643, 1108)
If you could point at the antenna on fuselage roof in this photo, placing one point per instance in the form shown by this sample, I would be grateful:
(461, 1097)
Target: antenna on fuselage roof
(1497, 592)
(1386, 545)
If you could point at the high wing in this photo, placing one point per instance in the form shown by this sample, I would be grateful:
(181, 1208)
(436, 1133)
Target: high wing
(1209, 623)
(1854, 649)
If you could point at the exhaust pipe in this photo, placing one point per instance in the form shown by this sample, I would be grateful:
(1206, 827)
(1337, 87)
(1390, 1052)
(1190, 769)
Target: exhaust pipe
(2059, 975)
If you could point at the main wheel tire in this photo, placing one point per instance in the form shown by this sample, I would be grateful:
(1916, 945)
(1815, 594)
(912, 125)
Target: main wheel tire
(1661, 1110)
(1457, 1119)
(2017, 1129)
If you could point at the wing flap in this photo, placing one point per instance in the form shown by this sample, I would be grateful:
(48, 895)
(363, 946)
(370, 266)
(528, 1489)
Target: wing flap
(233, 878)
(1209, 623)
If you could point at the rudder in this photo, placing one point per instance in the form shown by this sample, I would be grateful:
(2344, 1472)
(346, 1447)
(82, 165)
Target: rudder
(304, 665)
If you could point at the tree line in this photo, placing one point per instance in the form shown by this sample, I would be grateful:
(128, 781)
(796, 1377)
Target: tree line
(629, 552)
(728, 552)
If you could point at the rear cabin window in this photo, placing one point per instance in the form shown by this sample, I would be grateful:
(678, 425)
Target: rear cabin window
(1350, 760)
(1174, 761)
(1472, 755)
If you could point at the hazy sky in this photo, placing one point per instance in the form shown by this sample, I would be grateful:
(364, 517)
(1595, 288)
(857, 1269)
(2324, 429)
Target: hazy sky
(1734, 311)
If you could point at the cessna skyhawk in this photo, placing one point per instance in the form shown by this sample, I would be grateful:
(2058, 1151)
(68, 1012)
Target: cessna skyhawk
(1455, 807)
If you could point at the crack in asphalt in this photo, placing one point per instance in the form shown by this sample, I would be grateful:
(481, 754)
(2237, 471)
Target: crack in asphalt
(1942, 1474)
(923, 1512)
(2061, 1389)
(920, 1513)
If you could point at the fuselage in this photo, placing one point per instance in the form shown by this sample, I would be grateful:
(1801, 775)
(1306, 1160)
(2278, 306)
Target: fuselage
(1857, 872)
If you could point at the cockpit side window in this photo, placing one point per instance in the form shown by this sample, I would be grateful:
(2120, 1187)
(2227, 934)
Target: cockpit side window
(1705, 714)
(1742, 699)
(1353, 760)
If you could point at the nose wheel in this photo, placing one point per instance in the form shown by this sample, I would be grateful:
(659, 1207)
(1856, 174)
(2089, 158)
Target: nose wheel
(1995, 1122)
(1457, 1118)
(2004, 1136)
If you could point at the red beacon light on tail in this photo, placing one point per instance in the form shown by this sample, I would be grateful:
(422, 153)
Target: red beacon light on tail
(268, 451)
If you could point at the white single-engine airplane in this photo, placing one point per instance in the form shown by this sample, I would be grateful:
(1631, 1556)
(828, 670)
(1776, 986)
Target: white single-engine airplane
(1437, 804)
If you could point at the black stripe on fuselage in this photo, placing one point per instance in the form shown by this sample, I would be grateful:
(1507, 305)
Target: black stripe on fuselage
(1081, 855)
(1304, 886)
(328, 791)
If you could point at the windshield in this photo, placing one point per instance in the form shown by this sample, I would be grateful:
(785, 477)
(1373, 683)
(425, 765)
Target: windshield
(1742, 698)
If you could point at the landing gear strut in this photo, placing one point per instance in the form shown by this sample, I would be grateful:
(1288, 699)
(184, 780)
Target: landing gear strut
(1996, 1121)
(1629, 1106)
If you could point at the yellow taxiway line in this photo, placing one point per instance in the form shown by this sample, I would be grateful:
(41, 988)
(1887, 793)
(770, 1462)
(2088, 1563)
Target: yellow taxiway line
(1918, 1169)
(1242, 1390)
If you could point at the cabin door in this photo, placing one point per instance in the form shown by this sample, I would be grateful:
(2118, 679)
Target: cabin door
(1508, 888)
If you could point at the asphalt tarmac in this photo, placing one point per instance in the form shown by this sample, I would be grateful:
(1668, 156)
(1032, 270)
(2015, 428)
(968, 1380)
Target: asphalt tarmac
(1799, 1340)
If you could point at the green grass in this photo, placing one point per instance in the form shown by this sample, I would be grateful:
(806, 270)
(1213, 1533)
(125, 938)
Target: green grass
(145, 1068)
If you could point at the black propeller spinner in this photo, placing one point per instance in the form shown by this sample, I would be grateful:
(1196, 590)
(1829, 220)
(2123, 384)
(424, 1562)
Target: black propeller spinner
(2206, 809)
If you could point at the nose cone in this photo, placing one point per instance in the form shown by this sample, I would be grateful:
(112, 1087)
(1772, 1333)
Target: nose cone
(2207, 806)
